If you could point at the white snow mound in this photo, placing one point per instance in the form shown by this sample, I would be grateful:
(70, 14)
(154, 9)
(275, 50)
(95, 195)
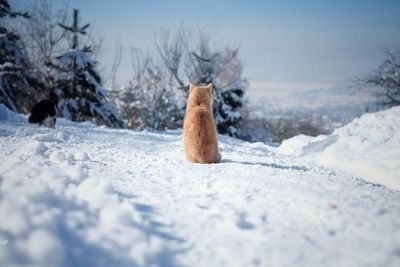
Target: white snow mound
(368, 147)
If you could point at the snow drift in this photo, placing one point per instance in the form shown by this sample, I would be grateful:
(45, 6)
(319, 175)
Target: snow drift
(368, 147)
(81, 195)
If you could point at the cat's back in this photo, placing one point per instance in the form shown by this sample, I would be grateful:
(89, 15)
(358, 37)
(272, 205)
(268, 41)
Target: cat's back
(198, 119)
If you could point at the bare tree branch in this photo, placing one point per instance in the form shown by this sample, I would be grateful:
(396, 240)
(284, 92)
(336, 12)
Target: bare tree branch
(384, 82)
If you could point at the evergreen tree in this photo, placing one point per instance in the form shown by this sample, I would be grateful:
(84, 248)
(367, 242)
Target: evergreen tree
(81, 96)
(19, 90)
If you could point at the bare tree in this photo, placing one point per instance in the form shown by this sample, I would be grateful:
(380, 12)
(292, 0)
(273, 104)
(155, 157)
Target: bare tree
(110, 73)
(41, 37)
(148, 102)
(190, 58)
(385, 80)
(223, 68)
(172, 47)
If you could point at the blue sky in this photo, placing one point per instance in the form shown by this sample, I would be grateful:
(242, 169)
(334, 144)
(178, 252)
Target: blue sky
(325, 41)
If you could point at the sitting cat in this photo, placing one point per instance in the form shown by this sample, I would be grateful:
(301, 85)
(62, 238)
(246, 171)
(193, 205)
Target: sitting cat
(199, 130)
(45, 112)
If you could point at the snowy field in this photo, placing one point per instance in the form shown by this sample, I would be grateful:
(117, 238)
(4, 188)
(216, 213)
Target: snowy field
(284, 97)
(336, 104)
(81, 195)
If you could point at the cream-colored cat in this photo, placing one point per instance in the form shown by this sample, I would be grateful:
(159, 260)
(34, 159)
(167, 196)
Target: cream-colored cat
(199, 131)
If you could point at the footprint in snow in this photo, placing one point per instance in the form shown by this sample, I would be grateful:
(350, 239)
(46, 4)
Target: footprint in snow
(243, 223)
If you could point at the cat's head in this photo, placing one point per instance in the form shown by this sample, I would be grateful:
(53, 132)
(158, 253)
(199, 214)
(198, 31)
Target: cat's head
(200, 95)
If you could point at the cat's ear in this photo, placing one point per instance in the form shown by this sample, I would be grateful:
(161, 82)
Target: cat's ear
(190, 87)
(210, 87)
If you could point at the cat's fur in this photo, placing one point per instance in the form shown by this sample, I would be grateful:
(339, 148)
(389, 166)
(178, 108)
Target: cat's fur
(199, 130)
(45, 112)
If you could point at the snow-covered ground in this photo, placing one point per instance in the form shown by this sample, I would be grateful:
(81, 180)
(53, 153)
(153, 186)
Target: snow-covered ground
(81, 195)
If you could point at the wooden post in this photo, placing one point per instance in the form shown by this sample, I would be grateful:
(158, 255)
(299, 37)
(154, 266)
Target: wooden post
(75, 29)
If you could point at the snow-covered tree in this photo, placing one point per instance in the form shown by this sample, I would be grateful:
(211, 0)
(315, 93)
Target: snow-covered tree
(19, 90)
(79, 87)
